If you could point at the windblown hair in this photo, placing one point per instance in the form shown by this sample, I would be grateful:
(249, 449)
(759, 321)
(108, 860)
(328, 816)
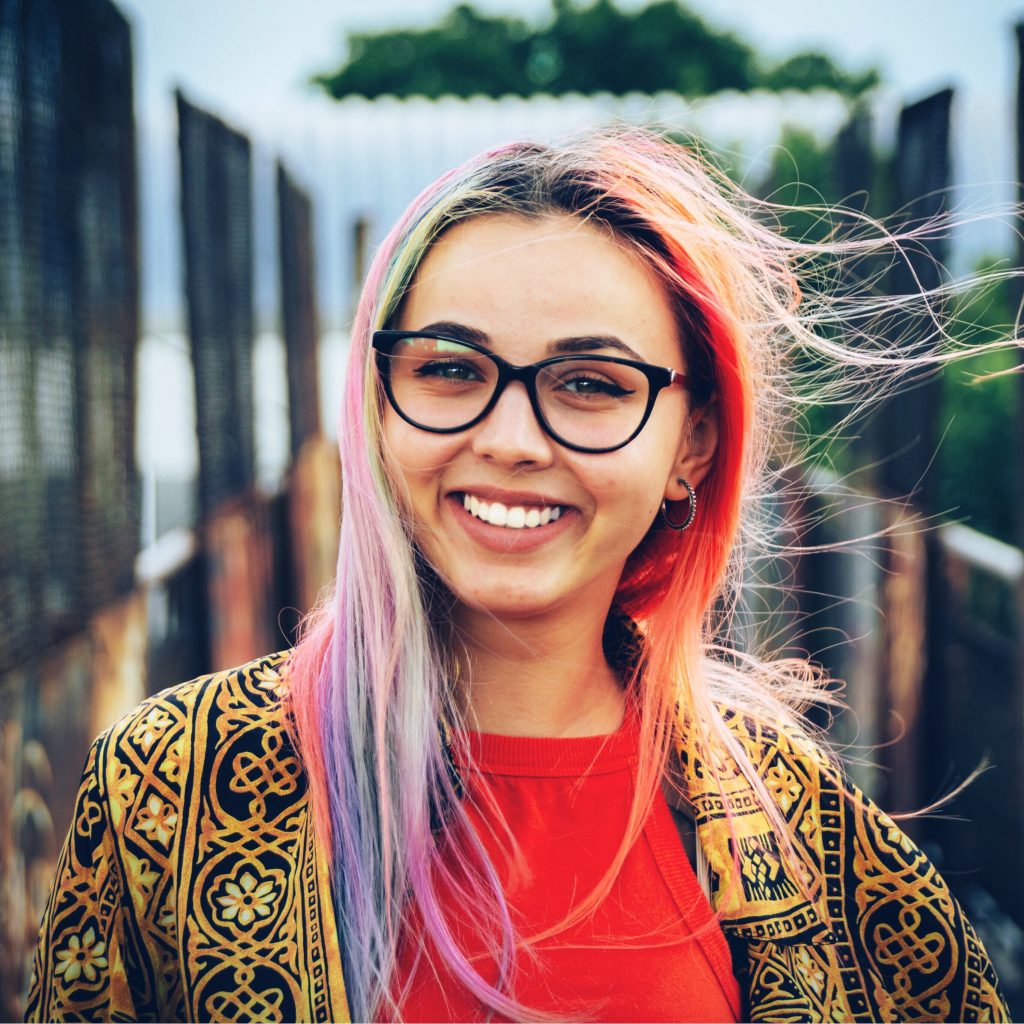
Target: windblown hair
(372, 677)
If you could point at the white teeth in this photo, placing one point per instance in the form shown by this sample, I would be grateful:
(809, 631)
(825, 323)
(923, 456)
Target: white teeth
(516, 517)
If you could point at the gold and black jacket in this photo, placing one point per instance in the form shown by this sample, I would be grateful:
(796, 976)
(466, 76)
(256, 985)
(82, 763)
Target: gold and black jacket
(191, 886)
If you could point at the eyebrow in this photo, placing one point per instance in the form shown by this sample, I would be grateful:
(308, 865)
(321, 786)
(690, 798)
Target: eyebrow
(560, 346)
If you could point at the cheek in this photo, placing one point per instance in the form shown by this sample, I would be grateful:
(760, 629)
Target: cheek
(408, 449)
(630, 490)
(632, 498)
(415, 458)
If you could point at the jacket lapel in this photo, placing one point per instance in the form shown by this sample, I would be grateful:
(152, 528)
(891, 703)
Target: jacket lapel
(753, 885)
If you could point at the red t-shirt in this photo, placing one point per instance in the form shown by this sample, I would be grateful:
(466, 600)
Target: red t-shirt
(651, 952)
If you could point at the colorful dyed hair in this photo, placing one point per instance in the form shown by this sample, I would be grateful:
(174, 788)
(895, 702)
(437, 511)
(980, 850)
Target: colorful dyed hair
(372, 676)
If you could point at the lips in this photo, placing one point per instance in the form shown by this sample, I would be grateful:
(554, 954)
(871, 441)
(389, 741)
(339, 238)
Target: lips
(510, 516)
(508, 522)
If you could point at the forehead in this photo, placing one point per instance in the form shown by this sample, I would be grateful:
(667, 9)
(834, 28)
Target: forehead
(526, 282)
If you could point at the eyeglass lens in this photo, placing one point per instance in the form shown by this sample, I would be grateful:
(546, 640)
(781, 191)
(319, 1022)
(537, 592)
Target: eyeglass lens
(444, 385)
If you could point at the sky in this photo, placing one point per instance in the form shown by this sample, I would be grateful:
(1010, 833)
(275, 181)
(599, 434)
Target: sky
(252, 56)
(250, 61)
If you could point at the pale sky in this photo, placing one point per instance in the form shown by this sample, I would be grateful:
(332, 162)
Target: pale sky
(249, 61)
(248, 56)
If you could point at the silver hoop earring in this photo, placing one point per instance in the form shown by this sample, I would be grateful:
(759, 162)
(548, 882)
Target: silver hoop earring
(692, 494)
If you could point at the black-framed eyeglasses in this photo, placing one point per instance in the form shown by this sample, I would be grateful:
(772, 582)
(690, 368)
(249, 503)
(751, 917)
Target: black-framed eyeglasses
(588, 403)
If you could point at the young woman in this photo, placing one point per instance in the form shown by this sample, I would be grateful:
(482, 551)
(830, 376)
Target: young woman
(517, 767)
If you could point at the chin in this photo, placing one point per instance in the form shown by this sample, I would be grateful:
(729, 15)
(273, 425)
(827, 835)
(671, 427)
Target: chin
(502, 603)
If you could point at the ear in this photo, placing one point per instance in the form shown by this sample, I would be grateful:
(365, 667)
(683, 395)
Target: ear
(696, 451)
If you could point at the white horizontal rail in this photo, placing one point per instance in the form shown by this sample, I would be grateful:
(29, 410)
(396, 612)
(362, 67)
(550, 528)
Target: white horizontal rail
(984, 552)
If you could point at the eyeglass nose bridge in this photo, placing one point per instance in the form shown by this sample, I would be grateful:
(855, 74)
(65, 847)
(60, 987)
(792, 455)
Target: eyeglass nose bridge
(509, 373)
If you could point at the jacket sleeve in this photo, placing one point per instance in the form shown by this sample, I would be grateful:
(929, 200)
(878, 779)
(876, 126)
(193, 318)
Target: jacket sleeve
(920, 957)
(900, 948)
(856, 925)
(83, 963)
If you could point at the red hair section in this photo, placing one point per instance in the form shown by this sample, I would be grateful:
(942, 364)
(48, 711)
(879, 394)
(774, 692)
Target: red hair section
(692, 564)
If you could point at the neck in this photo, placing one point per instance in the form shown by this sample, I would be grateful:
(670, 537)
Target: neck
(537, 677)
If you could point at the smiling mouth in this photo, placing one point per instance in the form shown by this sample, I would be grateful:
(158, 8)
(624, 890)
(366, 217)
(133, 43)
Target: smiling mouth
(512, 517)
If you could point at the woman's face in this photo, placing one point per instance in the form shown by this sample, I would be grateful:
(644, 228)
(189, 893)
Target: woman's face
(521, 285)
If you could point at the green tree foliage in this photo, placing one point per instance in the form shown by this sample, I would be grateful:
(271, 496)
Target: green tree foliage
(800, 181)
(816, 71)
(976, 463)
(587, 49)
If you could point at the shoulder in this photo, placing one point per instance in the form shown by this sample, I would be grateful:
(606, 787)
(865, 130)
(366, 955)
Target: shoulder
(791, 774)
(258, 684)
(189, 709)
(843, 830)
(808, 785)
(764, 743)
(189, 777)
(177, 829)
(149, 760)
(890, 923)
(768, 810)
(846, 840)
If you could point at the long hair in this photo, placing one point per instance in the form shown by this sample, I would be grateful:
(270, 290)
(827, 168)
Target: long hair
(372, 676)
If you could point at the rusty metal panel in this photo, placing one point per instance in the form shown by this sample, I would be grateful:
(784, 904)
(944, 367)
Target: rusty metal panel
(904, 594)
(239, 546)
(49, 714)
(216, 208)
(100, 154)
(29, 218)
(68, 318)
(976, 709)
(177, 621)
(314, 518)
(298, 308)
(906, 429)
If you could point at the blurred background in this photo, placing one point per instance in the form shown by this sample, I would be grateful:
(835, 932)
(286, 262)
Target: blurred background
(189, 193)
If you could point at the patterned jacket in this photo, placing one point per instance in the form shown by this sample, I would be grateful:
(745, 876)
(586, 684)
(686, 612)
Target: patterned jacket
(191, 888)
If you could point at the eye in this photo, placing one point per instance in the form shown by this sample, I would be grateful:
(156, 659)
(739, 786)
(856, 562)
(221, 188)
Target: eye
(589, 383)
(449, 369)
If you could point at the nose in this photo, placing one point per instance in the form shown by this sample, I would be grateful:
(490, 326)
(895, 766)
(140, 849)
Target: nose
(511, 434)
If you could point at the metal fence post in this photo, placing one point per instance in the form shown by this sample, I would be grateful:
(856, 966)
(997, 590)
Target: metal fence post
(298, 307)
(216, 208)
